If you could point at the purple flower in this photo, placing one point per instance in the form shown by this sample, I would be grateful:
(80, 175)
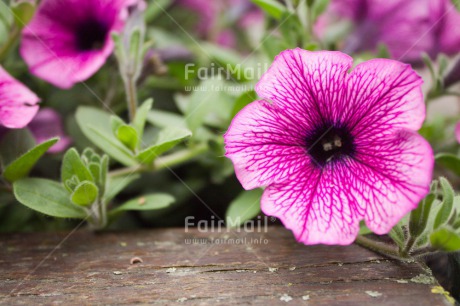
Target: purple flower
(67, 41)
(406, 27)
(18, 105)
(48, 124)
(333, 147)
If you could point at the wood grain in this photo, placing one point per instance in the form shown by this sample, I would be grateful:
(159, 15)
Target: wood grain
(86, 268)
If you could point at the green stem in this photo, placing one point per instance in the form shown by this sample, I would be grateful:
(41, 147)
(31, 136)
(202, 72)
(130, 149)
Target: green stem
(407, 249)
(5, 49)
(163, 162)
(378, 247)
(131, 92)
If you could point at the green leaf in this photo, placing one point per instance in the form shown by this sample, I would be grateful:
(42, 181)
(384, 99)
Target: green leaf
(15, 143)
(156, 9)
(447, 203)
(119, 48)
(271, 7)
(47, 197)
(228, 62)
(449, 161)
(319, 7)
(141, 117)
(146, 202)
(117, 184)
(135, 45)
(167, 139)
(95, 169)
(128, 136)
(419, 216)
(85, 194)
(73, 165)
(397, 234)
(22, 166)
(95, 125)
(202, 102)
(445, 239)
(243, 100)
(166, 119)
(245, 207)
(23, 13)
(115, 123)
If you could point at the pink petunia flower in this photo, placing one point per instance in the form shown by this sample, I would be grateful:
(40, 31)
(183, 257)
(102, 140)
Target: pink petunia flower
(333, 147)
(457, 132)
(67, 41)
(48, 124)
(18, 105)
(406, 27)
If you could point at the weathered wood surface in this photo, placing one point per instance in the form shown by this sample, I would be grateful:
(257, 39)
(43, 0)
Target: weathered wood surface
(88, 269)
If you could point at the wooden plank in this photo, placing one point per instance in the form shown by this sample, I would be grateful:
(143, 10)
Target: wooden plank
(87, 268)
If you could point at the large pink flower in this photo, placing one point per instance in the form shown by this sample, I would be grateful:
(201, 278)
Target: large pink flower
(406, 27)
(18, 105)
(67, 41)
(333, 147)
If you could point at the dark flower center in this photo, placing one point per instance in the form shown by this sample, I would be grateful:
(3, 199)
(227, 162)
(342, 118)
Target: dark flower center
(91, 35)
(330, 143)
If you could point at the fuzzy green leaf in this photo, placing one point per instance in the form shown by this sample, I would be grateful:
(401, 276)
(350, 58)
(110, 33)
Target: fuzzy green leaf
(447, 204)
(22, 165)
(96, 126)
(419, 216)
(271, 7)
(73, 165)
(445, 239)
(141, 117)
(47, 197)
(85, 193)
(117, 184)
(167, 139)
(128, 136)
(146, 202)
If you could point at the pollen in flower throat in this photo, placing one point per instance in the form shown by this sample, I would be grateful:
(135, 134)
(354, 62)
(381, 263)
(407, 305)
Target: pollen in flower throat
(329, 143)
(91, 35)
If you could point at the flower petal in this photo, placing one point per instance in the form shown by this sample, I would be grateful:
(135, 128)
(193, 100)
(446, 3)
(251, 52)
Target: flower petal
(18, 105)
(383, 96)
(315, 204)
(307, 84)
(392, 175)
(265, 144)
(325, 206)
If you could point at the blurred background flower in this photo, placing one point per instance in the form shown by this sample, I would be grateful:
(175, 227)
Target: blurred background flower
(406, 27)
(48, 124)
(18, 105)
(66, 42)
